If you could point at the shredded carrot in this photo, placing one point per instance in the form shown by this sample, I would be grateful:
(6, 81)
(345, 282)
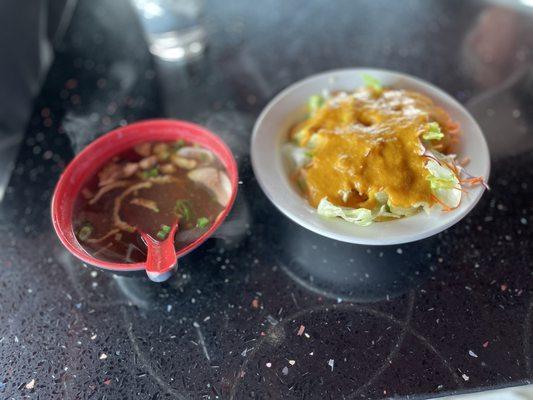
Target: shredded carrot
(444, 206)
(451, 127)
(432, 158)
(453, 167)
(453, 130)
(472, 181)
(464, 162)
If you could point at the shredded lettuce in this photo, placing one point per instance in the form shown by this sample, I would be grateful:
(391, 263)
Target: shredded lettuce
(297, 157)
(299, 136)
(372, 83)
(404, 211)
(433, 132)
(357, 216)
(447, 158)
(440, 177)
(444, 184)
(313, 141)
(381, 197)
(314, 103)
(388, 210)
(384, 211)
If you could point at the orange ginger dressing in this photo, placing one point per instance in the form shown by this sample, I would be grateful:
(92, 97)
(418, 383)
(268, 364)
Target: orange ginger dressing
(366, 142)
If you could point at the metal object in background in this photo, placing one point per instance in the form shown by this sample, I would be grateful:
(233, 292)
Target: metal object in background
(173, 28)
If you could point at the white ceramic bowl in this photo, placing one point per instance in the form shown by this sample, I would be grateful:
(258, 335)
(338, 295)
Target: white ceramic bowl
(288, 107)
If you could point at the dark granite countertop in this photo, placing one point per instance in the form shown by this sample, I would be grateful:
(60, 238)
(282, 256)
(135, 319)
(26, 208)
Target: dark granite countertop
(267, 309)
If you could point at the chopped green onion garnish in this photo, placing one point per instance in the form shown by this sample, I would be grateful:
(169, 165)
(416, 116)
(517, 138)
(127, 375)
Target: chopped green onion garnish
(85, 232)
(179, 144)
(163, 232)
(308, 154)
(372, 83)
(183, 209)
(315, 102)
(434, 132)
(202, 222)
(151, 173)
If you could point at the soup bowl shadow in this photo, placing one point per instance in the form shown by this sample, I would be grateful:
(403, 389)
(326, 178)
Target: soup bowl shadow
(90, 160)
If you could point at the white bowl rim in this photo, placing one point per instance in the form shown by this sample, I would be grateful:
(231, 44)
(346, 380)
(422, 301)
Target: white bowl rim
(410, 236)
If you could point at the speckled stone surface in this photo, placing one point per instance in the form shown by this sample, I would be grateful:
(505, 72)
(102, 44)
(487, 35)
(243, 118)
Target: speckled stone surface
(268, 309)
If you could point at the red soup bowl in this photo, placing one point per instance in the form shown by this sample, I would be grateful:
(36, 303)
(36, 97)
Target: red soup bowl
(88, 162)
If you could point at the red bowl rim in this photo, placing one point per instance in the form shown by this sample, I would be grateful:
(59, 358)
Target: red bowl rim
(135, 133)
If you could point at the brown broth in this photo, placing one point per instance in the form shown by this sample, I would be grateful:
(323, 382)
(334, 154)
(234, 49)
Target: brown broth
(163, 188)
